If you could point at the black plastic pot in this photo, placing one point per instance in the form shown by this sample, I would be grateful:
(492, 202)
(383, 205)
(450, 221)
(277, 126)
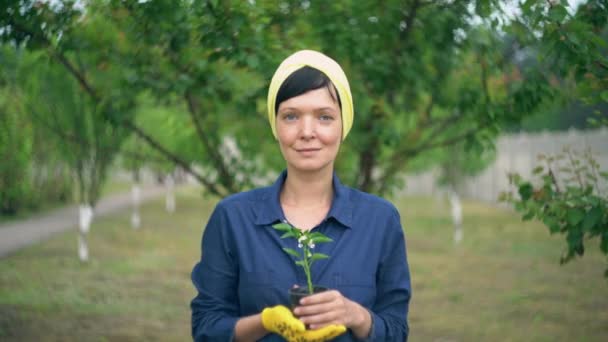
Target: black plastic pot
(297, 293)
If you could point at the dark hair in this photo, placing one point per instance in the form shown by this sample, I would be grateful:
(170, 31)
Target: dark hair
(304, 80)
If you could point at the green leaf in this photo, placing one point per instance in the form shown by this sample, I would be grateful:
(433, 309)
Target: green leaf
(537, 170)
(301, 263)
(574, 216)
(528, 216)
(289, 234)
(319, 238)
(604, 95)
(282, 226)
(526, 7)
(292, 252)
(319, 256)
(592, 218)
(574, 239)
(525, 191)
(558, 13)
(552, 224)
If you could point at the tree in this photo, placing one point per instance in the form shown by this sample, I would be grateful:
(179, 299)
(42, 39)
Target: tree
(426, 77)
(16, 155)
(570, 45)
(190, 54)
(567, 195)
(425, 74)
(87, 142)
(32, 172)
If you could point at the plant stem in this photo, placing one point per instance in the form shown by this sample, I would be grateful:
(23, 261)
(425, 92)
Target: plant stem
(553, 178)
(307, 269)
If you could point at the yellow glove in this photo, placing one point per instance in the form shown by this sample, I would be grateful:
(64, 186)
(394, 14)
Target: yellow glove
(319, 335)
(280, 320)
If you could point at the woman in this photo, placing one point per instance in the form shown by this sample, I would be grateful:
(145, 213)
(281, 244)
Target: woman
(243, 276)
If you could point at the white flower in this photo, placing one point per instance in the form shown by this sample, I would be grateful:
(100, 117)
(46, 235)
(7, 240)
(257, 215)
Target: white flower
(311, 245)
(300, 245)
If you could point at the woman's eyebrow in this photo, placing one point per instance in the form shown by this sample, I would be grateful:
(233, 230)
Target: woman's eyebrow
(325, 108)
(282, 110)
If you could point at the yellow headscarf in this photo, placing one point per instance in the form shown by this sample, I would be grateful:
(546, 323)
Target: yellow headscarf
(322, 63)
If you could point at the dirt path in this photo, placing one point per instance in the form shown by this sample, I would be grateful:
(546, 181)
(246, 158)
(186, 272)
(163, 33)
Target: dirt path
(19, 234)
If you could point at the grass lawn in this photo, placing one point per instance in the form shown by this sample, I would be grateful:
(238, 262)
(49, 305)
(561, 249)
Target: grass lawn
(502, 283)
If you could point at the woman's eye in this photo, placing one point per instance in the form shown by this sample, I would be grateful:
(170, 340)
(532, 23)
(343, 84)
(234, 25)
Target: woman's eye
(289, 116)
(326, 117)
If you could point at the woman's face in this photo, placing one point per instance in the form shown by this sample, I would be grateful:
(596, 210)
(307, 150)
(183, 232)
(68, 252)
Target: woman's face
(309, 130)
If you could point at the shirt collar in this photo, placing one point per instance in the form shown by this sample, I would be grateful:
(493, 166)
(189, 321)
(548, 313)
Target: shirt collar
(269, 209)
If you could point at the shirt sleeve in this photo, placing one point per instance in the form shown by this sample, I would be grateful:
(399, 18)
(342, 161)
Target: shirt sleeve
(389, 314)
(215, 309)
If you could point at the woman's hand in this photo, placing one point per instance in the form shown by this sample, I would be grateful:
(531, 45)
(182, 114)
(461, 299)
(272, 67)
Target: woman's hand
(331, 307)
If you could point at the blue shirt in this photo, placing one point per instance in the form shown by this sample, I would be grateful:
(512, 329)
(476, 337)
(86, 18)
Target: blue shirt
(243, 268)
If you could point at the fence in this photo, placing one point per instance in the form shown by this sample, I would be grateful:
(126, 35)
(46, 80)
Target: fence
(516, 153)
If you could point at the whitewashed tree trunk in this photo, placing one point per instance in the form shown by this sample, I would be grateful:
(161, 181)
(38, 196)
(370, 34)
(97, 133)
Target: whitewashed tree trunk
(170, 197)
(136, 199)
(84, 219)
(456, 216)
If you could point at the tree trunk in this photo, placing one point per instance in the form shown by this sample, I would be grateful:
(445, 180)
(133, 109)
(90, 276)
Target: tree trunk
(136, 199)
(85, 219)
(456, 216)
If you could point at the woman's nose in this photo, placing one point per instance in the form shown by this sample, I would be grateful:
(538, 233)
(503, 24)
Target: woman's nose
(307, 130)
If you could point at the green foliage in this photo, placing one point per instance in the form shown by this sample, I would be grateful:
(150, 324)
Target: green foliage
(570, 46)
(16, 155)
(425, 75)
(73, 124)
(567, 197)
(424, 78)
(306, 242)
(32, 172)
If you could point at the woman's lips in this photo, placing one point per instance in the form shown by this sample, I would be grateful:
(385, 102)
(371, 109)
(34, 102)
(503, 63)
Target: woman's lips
(307, 151)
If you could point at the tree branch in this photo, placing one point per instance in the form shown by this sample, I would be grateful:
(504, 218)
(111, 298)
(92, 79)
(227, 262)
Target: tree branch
(77, 141)
(398, 159)
(173, 158)
(59, 57)
(81, 78)
(226, 177)
(409, 21)
(484, 78)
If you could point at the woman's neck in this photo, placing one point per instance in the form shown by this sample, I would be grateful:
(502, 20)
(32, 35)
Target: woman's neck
(307, 190)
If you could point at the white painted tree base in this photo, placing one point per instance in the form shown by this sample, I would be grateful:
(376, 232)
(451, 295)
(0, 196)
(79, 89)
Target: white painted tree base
(85, 218)
(136, 199)
(456, 216)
